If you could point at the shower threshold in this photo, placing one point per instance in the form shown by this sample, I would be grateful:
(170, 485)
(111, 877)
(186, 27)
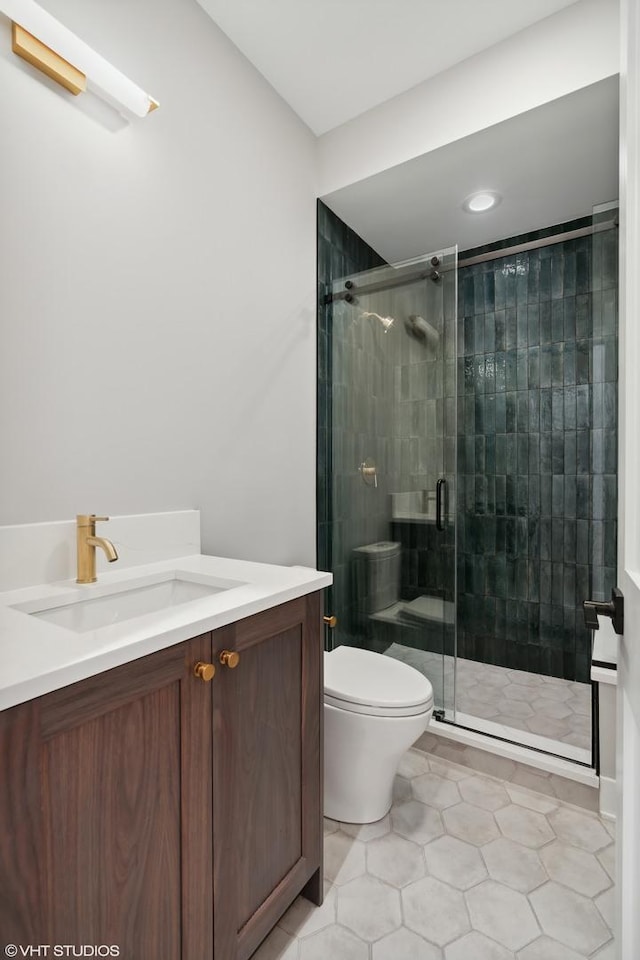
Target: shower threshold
(524, 738)
(544, 714)
(532, 767)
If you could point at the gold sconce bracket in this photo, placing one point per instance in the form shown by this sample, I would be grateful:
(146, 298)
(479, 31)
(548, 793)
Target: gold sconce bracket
(46, 60)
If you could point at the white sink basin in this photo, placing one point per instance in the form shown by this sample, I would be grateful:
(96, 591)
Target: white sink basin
(124, 601)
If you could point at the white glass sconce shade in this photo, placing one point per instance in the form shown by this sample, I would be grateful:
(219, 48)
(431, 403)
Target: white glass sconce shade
(102, 78)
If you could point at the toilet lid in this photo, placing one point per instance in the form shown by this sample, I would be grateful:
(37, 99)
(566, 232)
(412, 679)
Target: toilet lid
(370, 679)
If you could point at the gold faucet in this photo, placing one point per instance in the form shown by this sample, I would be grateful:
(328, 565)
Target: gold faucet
(87, 543)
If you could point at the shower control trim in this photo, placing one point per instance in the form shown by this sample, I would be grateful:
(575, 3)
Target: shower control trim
(369, 472)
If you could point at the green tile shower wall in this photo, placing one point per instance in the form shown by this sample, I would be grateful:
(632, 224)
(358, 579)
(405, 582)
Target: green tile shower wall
(536, 448)
(341, 252)
(537, 434)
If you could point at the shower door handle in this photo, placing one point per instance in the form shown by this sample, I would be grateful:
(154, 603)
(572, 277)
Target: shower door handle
(614, 609)
(440, 486)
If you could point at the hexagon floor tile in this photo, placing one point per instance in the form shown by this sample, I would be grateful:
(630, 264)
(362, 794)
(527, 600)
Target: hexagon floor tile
(413, 764)
(524, 826)
(455, 862)
(546, 949)
(369, 907)
(395, 860)
(582, 829)
(475, 946)
(503, 914)
(435, 791)
(278, 946)
(303, 917)
(574, 868)
(513, 865)
(555, 707)
(606, 904)
(417, 821)
(343, 858)
(333, 942)
(404, 945)
(435, 911)
(470, 823)
(470, 868)
(485, 793)
(607, 858)
(607, 953)
(570, 918)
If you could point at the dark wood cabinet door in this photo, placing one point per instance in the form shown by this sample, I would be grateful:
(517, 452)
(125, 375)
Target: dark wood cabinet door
(267, 772)
(105, 811)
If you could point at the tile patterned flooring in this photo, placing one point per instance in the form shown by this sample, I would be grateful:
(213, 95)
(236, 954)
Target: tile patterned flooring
(465, 867)
(549, 707)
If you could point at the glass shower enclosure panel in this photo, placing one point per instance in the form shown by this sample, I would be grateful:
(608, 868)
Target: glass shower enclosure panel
(392, 464)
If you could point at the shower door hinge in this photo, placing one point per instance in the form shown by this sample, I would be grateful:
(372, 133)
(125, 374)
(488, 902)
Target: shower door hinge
(438, 715)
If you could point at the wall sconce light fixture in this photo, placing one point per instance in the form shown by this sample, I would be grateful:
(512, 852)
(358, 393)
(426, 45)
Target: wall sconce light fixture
(49, 46)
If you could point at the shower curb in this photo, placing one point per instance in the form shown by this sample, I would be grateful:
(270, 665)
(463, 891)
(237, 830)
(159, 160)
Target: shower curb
(553, 776)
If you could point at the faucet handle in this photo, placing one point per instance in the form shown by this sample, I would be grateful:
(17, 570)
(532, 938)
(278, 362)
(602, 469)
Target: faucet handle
(88, 519)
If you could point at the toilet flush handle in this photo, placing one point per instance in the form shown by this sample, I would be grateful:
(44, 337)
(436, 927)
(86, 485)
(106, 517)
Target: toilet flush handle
(330, 621)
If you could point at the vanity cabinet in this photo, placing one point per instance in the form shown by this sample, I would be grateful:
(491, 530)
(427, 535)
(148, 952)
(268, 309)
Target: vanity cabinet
(172, 817)
(267, 721)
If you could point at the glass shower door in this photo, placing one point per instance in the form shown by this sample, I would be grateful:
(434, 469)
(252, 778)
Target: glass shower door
(390, 454)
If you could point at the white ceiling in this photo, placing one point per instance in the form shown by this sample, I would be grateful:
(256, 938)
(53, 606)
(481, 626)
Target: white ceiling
(550, 165)
(333, 59)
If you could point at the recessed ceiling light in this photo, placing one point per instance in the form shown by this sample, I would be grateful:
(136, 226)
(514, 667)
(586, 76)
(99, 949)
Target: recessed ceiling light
(481, 201)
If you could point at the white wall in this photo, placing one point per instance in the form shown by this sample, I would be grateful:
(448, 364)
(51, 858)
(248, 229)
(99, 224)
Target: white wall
(628, 729)
(157, 299)
(157, 303)
(562, 53)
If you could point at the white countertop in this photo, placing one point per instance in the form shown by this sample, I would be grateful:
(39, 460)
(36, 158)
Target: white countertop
(37, 657)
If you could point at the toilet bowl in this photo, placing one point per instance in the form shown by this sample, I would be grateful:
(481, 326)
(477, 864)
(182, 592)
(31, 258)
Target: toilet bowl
(375, 707)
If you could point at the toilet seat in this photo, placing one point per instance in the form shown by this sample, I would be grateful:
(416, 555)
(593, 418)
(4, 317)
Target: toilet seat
(360, 681)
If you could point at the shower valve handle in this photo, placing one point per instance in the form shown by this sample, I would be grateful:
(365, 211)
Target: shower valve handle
(369, 472)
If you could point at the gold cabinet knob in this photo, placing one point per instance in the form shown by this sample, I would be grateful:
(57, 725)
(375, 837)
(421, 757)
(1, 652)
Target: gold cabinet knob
(229, 658)
(330, 621)
(204, 671)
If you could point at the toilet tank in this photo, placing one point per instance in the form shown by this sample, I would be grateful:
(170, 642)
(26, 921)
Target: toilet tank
(378, 575)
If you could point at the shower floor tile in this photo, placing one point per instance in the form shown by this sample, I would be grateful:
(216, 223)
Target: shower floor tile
(537, 885)
(549, 707)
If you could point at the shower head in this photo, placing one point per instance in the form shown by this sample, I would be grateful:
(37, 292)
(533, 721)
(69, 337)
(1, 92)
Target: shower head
(385, 321)
(421, 329)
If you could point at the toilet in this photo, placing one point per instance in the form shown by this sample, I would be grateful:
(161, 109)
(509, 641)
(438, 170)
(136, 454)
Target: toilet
(375, 708)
